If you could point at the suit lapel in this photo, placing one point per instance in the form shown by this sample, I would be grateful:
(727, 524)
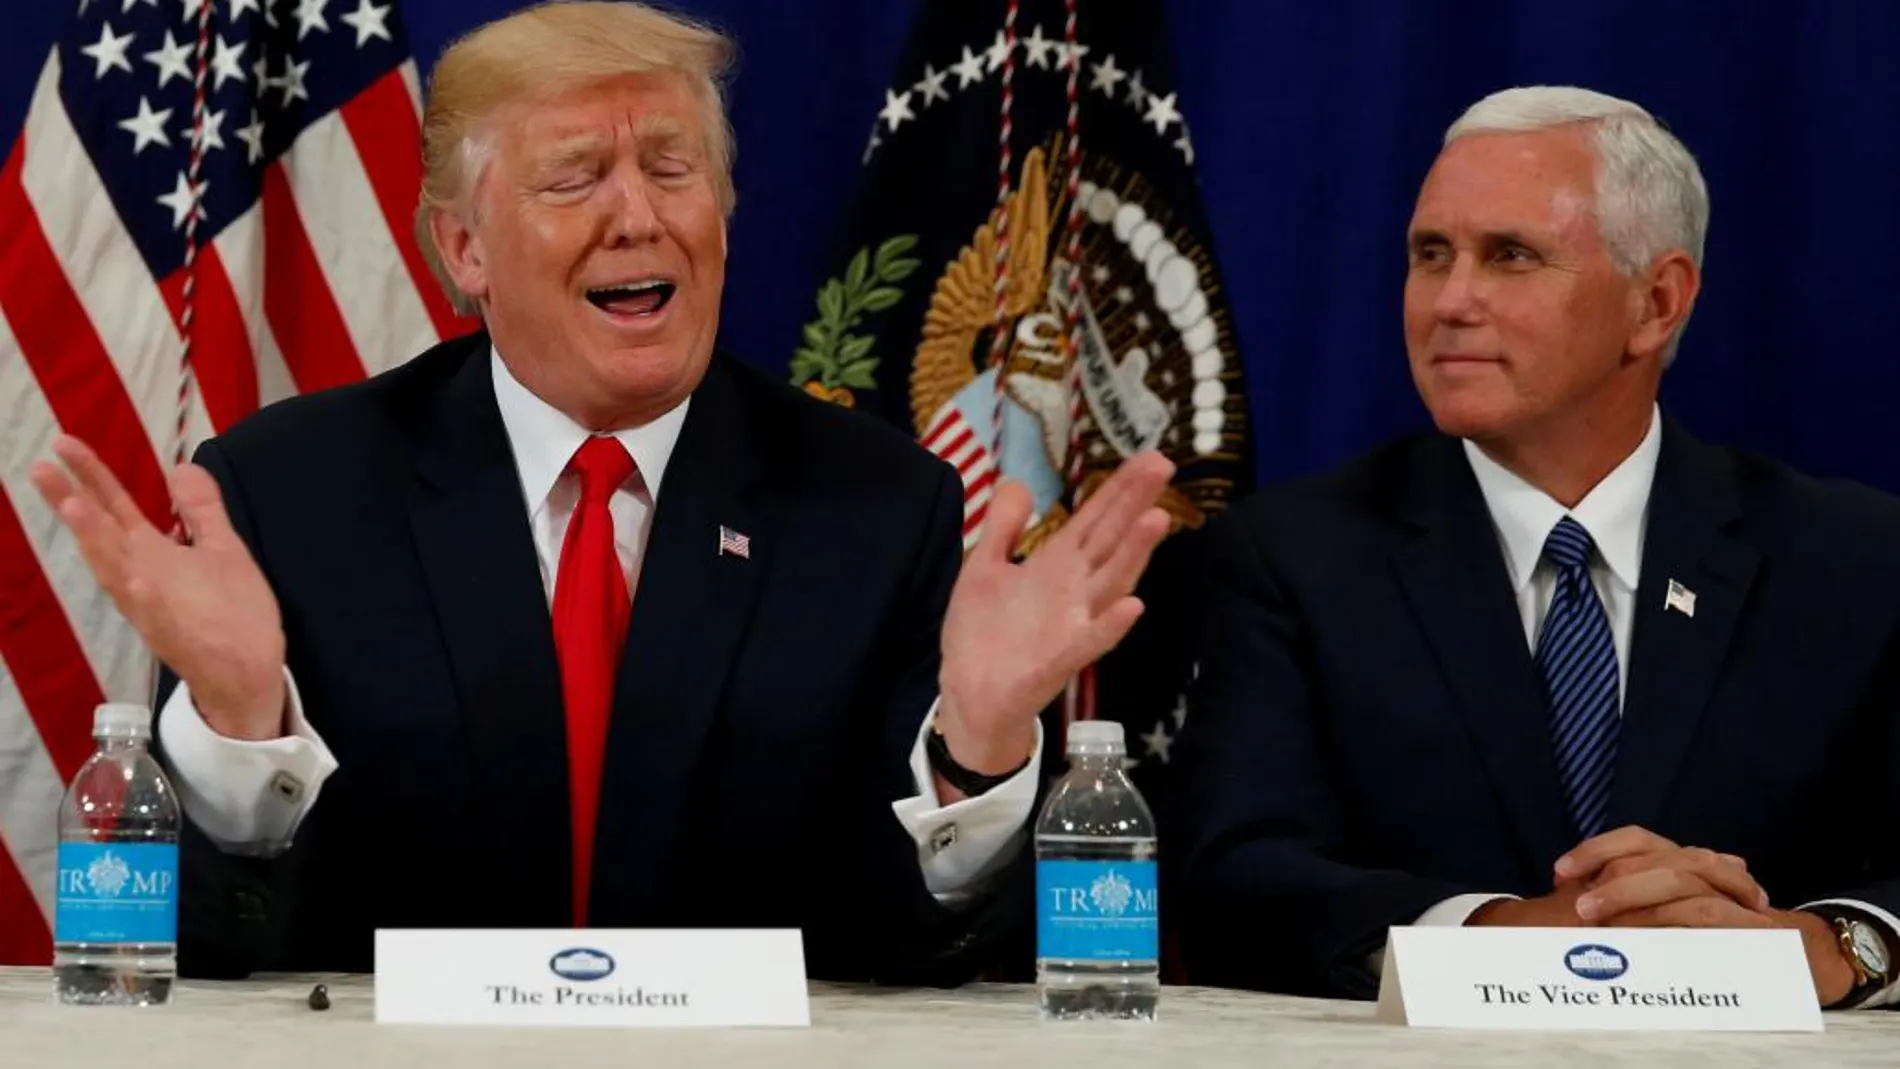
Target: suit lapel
(477, 553)
(1455, 579)
(1675, 657)
(690, 611)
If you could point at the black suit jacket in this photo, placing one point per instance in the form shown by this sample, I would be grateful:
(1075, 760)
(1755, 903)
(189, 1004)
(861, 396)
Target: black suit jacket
(765, 709)
(1369, 735)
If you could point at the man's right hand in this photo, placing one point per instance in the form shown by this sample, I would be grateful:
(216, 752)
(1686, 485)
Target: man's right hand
(204, 608)
(1625, 875)
(1557, 909)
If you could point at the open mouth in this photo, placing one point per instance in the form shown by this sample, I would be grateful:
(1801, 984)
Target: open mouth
(633, 299)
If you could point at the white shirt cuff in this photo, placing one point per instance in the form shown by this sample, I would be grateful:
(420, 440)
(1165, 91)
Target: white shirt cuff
(962, 844)
(1453, 912)
(1891, 993)
(247, 797)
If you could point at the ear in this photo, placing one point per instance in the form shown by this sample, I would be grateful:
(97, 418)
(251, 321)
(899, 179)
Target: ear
(463, 254)
(1663, 298)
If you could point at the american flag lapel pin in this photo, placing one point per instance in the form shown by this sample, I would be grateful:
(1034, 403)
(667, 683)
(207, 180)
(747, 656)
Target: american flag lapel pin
(731, 541)
(1680, 598)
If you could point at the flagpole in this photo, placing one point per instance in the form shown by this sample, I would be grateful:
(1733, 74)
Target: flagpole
(1073, 254)
(1079, 695)
(999, 331)
(187, 301)
(192, 219)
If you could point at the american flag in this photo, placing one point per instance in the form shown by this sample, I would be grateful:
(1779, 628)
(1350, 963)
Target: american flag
(286, 265)
(731, 541)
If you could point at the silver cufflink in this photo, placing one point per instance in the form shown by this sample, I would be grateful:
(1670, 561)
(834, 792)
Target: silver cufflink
(942, 839)
(288, 787)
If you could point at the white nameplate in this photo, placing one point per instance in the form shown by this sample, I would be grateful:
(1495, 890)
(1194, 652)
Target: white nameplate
(592, 978)
(1591, 979)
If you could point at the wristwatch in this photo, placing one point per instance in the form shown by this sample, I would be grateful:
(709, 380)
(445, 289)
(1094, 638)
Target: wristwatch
(1866, 948)
(967, 780)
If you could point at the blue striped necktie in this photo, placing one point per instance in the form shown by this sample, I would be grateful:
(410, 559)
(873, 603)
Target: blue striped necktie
(1577, 656)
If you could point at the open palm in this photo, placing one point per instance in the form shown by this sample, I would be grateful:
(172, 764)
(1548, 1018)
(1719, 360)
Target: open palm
(1016, 632)
(203, 608)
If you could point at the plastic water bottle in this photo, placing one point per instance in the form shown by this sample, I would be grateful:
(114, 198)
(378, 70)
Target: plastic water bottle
(1097, 922)
(115, 922)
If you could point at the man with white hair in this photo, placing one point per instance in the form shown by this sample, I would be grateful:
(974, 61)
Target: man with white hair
(578, 622)
(1559, 664)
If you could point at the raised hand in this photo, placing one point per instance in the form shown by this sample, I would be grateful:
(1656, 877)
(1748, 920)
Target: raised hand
(204, 609)
(1016, 632)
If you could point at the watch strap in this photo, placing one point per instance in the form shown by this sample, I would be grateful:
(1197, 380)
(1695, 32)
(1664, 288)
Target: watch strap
(1866, 980)
(967, 780)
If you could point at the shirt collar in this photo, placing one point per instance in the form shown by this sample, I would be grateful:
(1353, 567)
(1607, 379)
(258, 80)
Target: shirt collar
(544, 438)
(1614, 511)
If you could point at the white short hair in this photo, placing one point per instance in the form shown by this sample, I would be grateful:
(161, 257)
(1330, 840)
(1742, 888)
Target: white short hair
(1650, 196)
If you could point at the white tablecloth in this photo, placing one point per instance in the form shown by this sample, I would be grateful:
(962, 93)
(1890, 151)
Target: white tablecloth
(266, 1022)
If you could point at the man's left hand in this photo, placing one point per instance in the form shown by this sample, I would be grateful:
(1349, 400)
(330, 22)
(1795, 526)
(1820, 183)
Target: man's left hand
(1015, 633)
(1634, 869)
(1638, 879)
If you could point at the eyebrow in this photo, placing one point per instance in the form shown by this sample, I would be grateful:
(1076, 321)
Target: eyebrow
(660, 131)
(573, 150)
(658, 126)
(656, 131)
(1421, 238)
(1509, 237)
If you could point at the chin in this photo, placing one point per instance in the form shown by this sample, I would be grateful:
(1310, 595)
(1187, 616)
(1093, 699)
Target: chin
(1474, 417)
(652, 371)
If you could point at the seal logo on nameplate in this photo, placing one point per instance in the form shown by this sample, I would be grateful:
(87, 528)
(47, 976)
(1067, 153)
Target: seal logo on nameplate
(1593, 961)
(582, 964)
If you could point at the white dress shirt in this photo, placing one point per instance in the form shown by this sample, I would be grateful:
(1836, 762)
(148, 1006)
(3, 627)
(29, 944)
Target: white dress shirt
(250, 797)
(1615, 513)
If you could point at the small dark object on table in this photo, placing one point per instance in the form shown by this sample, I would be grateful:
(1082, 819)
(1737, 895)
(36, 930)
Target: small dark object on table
(319, 997)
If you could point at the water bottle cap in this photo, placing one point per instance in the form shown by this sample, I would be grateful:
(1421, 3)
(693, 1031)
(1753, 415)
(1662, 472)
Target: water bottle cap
(122, 720)
(1096, 737)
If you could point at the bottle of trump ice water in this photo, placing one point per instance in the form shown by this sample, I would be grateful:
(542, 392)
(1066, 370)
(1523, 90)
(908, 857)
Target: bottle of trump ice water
(1097, 921)
(115, 921)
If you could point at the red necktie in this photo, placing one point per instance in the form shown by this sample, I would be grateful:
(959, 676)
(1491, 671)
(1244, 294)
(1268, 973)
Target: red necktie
(591, 607)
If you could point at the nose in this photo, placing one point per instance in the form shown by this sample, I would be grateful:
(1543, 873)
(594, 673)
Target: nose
(1459, 300)
(633, 219)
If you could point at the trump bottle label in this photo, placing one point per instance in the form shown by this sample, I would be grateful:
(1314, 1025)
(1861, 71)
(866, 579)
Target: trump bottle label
(1097, 911)
(117, 893)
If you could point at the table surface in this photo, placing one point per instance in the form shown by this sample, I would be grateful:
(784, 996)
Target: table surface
(267, 1022)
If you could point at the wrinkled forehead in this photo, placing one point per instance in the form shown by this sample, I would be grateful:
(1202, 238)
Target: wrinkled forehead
(658, 109)
(1541, 181)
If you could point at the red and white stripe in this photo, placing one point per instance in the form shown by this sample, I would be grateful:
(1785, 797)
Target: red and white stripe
(318, 284)
(951, 437)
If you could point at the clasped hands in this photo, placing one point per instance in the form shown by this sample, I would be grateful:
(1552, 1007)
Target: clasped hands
(1634, 878)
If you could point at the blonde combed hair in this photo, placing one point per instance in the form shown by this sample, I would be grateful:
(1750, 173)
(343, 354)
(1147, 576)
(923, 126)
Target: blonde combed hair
(544, 51)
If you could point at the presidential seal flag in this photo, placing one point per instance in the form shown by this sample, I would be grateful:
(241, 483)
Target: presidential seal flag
(1027, 283)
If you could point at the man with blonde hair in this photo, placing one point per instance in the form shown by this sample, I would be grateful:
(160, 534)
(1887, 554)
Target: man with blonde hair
(1559, 664)
(576, 621)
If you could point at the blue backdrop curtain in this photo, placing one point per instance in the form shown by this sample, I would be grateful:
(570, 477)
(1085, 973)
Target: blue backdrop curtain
(1314, 121)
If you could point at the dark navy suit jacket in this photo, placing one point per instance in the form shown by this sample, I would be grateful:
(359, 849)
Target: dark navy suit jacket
(1369, 734)
(765, 712)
